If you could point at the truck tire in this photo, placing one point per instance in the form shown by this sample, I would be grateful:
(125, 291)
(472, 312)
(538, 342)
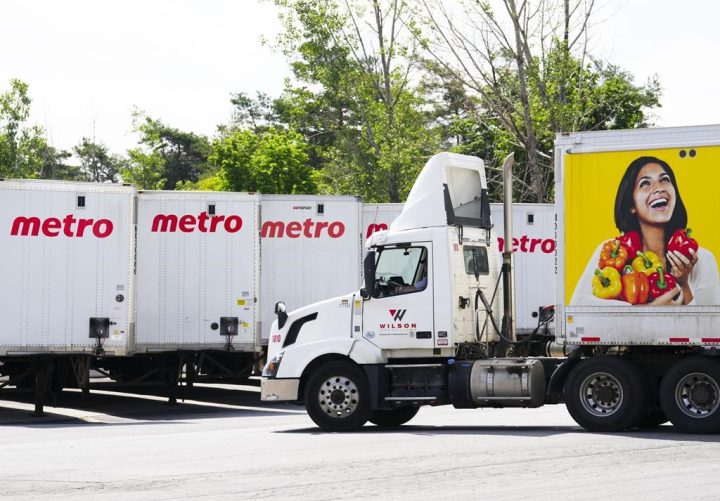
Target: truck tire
(337, 397)
(690, 395)
(393, 417)
(606, 394)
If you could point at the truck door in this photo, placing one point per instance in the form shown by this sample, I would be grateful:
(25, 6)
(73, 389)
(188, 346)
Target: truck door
(401, 313)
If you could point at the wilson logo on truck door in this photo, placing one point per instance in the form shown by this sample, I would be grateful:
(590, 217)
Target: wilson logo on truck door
(69, 226)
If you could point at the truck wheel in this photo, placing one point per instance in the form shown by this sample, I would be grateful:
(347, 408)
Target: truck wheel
(690, 395)
(393, 417)
(606, 394)
(337, 397)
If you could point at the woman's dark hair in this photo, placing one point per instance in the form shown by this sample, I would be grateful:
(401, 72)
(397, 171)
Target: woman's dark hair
(626, 221)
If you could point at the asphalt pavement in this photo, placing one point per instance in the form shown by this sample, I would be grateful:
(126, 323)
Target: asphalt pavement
(222, 443)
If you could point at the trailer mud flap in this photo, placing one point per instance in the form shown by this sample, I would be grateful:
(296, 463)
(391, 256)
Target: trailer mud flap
(554, 390)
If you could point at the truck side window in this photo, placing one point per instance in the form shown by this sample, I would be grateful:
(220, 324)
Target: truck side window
(477, 255)
(401, 270)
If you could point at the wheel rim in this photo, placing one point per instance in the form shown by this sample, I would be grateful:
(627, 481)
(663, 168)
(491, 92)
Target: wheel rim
(601, 394)
(338, 397)
(697, 395)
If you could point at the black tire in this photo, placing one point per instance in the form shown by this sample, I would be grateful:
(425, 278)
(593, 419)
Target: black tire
(393, 417)
(337, 397)
(606, 394)
(690, 395)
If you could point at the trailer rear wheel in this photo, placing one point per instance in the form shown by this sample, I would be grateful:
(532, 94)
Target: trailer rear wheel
(606, 394)
(690, 395)
(337, 397)
(393, 417)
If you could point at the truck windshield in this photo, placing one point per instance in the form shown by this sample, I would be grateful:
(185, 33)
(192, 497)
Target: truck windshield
(401, 271)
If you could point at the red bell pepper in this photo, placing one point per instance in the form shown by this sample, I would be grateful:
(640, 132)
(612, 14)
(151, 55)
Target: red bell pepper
(635, 286)
(631, 241)
(680, 241)
(613, 254)
(660, 283)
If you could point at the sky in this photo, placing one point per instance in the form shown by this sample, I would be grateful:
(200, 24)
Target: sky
(90, 63)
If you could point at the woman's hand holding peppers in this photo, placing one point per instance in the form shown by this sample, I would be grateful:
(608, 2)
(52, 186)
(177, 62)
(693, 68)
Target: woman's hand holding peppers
(681, 242)
(662, 285)
(613, 254)
(681, 268)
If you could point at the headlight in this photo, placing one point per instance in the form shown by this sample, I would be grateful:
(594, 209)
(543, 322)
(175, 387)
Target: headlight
(271, 368)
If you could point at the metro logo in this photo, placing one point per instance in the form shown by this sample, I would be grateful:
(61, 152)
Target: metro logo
(375, 227)
(526, 244)
(307, 229)
(52, 227)
(170, 223)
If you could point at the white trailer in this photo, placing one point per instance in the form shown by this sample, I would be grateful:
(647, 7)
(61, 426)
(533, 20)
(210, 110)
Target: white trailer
(67, 255)
(310, 247)
(197, 271)
(534, 259)
(197, 287)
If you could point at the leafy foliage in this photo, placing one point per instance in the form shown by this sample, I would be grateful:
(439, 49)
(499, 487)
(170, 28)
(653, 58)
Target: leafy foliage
(22, 147)
(97, 163)
(181, 155)
(274, 161)
(354, 97)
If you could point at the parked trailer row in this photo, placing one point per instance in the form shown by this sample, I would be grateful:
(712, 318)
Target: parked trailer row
(143, 285)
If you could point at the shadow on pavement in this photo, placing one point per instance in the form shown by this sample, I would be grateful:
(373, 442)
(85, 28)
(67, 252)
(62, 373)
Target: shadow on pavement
(113, 404)
(664, 432)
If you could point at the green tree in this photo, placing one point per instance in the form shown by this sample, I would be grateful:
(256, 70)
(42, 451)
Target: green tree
(274, 161)
(97, 163)
(528, 68)
(21, 146)
(144, 170)
(355, 97)
(56, 166)
(184, 154)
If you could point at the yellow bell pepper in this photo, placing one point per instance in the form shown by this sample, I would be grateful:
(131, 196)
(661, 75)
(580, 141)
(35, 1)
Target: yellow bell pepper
(646, 262)
(607, 283)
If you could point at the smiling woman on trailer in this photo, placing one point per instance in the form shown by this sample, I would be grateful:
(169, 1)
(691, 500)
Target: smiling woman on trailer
(654, 242)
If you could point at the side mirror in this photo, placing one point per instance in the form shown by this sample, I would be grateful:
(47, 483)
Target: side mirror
(281, 312)
(369, 270)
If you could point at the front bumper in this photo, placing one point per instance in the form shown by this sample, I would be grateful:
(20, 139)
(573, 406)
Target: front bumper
(273, 390)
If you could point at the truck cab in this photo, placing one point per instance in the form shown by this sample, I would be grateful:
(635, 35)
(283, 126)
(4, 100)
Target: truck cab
(431, 302)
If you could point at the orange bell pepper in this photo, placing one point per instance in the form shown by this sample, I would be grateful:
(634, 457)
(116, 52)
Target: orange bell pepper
(635, 286)
(613, 254)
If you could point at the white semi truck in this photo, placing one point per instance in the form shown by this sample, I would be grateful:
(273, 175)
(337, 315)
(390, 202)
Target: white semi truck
(633, 349)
